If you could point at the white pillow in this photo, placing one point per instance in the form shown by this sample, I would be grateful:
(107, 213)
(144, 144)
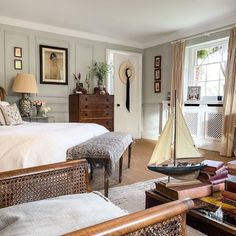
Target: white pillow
(2, 119)
(11, 114)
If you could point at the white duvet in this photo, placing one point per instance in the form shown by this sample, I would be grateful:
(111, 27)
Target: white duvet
(33, 144)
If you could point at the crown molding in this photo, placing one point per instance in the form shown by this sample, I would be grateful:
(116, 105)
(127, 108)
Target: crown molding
(203, 28)
(229, 20)
(66, 32)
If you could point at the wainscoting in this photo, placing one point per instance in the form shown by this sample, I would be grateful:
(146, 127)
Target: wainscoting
(80, 54)
(151, 120)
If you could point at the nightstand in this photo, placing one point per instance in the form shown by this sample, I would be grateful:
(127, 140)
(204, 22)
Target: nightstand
(39, 119)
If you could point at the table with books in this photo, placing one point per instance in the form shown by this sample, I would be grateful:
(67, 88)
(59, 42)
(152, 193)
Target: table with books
(215, 202)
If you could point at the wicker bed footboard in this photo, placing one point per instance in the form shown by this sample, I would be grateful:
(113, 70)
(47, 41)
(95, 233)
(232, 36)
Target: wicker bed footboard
(41, 182)
(164, 220)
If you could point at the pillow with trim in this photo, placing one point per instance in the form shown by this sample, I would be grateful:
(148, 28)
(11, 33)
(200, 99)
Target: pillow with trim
(11, 114)
(2, 118)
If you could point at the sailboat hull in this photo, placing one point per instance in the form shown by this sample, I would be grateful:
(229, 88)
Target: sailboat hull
(178, 172)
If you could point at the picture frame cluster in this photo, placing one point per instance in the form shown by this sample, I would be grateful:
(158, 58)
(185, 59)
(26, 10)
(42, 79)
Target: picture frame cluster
(157, 74)
(18, 62)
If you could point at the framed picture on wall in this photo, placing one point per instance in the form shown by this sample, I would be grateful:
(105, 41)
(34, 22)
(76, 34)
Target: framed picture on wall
(17, 52)
(53, 65)
(194, 92)
(157, 86)
(157, 74)
(157, 61)
(17, 64)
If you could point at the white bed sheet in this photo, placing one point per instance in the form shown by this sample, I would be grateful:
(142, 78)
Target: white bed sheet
(33, 144)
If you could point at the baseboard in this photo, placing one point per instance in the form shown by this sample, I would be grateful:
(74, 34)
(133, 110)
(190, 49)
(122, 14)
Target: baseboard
(154, 135)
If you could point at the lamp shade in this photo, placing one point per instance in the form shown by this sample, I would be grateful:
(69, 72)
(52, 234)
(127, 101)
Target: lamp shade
(25, 83)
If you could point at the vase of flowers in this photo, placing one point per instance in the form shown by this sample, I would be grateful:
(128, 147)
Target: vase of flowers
(41, 108)
(100, 71)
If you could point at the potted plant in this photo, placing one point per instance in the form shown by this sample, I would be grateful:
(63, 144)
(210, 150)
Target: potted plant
(99, 70)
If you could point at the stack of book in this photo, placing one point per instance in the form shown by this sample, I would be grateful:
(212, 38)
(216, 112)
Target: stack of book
(176, 189)
(215, 172)
(232, 167)
(229, 194)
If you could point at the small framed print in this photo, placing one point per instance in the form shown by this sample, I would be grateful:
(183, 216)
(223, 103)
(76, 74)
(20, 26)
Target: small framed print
(194, 92)
(17, 64)
(157, 86)
(157, 74)
(157, 61)
(17, 52)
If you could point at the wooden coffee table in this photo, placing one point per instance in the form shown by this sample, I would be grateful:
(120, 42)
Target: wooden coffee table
(208, 219)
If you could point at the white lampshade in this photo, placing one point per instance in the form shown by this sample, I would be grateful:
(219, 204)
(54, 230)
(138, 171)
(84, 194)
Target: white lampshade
(25, 83)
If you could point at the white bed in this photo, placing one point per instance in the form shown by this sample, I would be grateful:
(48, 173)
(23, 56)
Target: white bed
(32, 144)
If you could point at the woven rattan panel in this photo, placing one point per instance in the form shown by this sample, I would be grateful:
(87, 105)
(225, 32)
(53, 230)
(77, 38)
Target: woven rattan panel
(33, 187)
(171, 227)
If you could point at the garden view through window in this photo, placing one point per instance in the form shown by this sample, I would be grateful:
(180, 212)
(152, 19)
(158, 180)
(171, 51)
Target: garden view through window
(208, 66)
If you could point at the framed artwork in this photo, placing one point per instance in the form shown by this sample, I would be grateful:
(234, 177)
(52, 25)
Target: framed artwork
(17, 52)
(157, 86)
(157, 61)
(157, 74)
(17, 64)
(53, 65)
(194, 92)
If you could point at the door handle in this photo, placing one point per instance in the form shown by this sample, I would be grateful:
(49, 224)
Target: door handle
(118, 105)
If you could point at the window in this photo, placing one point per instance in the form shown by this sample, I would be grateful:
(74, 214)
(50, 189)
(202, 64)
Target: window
(206, 67)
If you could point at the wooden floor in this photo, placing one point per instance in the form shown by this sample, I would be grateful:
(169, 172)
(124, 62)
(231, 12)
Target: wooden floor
(141, 153)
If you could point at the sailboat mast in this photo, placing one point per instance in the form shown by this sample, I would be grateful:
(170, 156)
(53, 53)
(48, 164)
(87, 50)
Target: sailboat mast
(175, 130)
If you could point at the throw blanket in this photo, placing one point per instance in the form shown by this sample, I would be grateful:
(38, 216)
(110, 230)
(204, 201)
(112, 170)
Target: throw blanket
(33, 144)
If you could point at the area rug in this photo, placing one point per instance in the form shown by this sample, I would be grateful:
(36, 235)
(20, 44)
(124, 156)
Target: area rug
(132, 198)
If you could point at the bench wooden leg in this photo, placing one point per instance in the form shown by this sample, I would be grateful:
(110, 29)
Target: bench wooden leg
(120, 169)
(91, 171)
(129, 154)
(106, 182)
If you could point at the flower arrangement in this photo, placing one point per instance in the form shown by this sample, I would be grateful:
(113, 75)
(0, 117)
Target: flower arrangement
(100, 70)
(45, 110)
(38, 103)
(41, 108)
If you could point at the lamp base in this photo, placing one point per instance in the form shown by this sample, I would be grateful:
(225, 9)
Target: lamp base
(25, 105)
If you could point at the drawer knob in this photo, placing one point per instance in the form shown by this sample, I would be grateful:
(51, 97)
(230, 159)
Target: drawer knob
(86, 106)
(107, 113)
(107, 99)
(118, 105)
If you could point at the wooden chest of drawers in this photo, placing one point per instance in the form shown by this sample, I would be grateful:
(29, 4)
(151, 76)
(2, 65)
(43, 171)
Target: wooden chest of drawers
(92, 108)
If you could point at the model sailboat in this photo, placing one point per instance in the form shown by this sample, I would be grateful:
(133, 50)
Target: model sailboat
(176, 134)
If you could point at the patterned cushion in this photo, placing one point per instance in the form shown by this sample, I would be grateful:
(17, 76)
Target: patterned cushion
(2, 119)
(11, 114)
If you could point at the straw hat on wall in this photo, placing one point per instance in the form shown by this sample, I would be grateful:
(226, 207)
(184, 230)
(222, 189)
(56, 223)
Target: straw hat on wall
(122, 71)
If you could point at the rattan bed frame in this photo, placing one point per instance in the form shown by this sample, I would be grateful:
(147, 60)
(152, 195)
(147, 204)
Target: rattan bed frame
(37, 183)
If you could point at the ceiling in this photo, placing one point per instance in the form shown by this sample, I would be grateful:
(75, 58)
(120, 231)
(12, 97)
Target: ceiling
(133, 22)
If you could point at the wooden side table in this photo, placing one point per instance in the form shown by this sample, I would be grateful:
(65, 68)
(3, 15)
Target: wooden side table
(39, 119)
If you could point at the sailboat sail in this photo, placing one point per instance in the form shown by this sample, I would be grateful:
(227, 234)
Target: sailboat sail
(185, 147)
(162, 151)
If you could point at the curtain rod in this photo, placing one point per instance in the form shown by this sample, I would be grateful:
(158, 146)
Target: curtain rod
(206, 33)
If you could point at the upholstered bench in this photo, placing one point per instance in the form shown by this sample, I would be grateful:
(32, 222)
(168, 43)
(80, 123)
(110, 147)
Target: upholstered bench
(106, 149)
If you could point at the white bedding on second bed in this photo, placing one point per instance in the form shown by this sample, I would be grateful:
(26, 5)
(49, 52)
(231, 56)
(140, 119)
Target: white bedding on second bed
(33, 144)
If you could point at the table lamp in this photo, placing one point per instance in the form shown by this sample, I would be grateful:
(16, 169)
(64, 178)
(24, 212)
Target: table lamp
(25, 84)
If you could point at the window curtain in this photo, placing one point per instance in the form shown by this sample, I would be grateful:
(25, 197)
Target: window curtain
(178, 54)
(229, 120)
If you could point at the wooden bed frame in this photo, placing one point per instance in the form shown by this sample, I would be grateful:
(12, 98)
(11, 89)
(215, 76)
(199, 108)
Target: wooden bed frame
(37, 183)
